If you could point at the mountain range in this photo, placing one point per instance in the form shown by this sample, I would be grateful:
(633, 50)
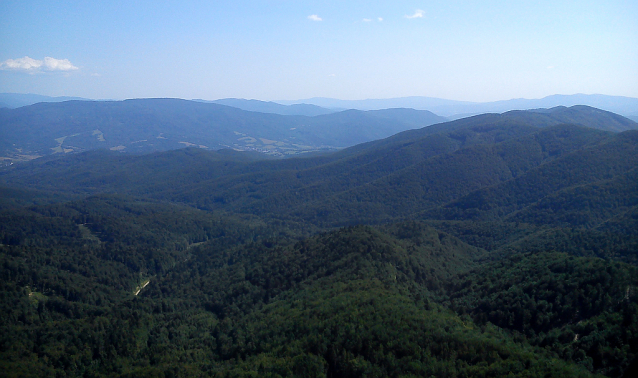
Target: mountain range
(453, 109)
(403, 175)
(273, 107)
(493, 245)
(147, 125)
(626, 106)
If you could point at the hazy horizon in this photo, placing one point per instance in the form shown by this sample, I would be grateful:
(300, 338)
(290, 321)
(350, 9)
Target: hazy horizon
(296, 100)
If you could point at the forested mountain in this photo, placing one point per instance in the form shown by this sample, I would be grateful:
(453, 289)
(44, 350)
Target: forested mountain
(408, 173)
(146, 125)
(497, 245)
(273, 107)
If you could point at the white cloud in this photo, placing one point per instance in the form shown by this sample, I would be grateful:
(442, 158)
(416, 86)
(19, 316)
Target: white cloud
(314, 17)
(366, 20)
(31, 65)
(417, 14)
(53, 64)
(21, 64)
(380, 19)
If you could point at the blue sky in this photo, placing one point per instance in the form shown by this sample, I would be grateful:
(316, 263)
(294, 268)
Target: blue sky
(285, 49)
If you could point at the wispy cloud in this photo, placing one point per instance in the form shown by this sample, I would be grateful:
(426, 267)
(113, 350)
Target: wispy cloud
(417, 14)
(314, 17)
(380, 19)
(31, 65)
(367, 20)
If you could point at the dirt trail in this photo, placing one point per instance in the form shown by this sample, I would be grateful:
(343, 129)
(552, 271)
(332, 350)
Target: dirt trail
(139, 288)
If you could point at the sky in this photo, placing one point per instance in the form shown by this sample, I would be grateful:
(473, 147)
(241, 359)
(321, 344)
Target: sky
(291, 49)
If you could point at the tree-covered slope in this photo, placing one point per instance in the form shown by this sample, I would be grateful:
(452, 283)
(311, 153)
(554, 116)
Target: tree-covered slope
(377, 183)
(486, 178)
(356, 301)
(148, 173)
(601, 162)
(582, 309)
(579, 115)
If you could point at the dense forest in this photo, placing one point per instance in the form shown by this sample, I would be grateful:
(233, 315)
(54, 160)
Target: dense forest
(496, 245)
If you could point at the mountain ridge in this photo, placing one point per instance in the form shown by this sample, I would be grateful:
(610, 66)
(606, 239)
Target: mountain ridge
(498, 147)
(273, 107)
(626, 106)
(147, 125)
(623, 105)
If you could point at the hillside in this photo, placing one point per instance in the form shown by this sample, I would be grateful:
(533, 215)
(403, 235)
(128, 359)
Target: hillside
(610, 160)
(558, 302)
(231, 308)
(393, 178)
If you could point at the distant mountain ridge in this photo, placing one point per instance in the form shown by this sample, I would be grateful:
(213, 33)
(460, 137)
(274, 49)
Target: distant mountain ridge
(17, 100)
(626, 106)
(147, 125)
(273, 107)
